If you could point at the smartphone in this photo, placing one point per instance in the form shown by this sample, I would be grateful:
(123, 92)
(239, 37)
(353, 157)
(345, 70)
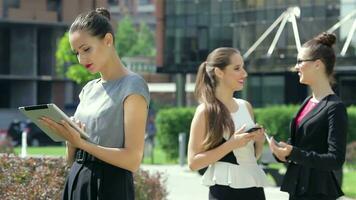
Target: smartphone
(253, 129)
(270, 139)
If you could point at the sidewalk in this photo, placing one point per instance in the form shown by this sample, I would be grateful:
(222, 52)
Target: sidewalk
(183, 184)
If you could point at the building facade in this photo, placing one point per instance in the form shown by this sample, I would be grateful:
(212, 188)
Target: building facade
(190, 29)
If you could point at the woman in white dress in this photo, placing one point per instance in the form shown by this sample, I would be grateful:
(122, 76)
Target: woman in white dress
(218, 134)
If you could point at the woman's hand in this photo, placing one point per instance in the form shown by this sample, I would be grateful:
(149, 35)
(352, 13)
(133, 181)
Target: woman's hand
(240, 138)
(281, 151)
(259, 136)
(65, 130)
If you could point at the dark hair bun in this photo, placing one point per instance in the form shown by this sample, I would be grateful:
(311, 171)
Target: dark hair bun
(104, 12)
(327, 39)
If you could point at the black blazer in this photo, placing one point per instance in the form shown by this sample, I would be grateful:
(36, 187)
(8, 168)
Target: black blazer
(319, 146)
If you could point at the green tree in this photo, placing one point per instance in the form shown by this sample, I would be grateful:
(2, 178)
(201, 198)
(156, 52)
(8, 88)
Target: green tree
(125, 37)
(145, 43)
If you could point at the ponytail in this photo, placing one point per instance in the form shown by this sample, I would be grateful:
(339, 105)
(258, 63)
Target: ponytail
(218, 118)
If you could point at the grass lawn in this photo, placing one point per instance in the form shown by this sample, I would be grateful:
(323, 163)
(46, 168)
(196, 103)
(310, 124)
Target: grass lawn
(159, 157)
(349, 181)
(45, 151)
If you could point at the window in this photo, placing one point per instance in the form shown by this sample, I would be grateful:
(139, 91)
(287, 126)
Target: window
(113, 2)
(266, 90)
(52, 5)
(145, 2)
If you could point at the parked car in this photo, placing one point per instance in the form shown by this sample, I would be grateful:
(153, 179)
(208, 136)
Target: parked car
(35, 136)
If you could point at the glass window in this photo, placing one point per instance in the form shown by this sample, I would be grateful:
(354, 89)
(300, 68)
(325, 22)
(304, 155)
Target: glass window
(215, 7)
(170, 8)
(170, 22)
(191, 20)
(178, 44)
(266, 90)
(179, 7)
(226, 6)
(271, 15)
(12, 4)
(203, 39)
(203, 19)
(180, 21)
(347, 88)
(52, 5)
(215, 20)
(247, 36)
(191, 7)
(113, 2)
(226, 19)
(254, 90)
(145, 2)
(214, 37)
(226, 36)
(260, 15)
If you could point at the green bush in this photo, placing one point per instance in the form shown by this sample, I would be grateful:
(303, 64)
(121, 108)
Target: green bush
(170, 122)
(43, 178)
(276, 119)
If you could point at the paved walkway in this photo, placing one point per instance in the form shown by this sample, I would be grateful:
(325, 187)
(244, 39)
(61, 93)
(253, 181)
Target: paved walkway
(183, 184)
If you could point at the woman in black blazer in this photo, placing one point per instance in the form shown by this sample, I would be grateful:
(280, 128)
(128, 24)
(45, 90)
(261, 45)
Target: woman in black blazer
(317, 144)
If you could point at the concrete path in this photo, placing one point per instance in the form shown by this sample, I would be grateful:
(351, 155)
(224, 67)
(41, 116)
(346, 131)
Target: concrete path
(183, 184)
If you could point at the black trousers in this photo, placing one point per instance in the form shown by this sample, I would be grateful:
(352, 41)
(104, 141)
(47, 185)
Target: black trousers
(223, 192)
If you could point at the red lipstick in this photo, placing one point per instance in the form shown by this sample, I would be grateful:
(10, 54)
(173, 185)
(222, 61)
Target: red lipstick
(88, 66)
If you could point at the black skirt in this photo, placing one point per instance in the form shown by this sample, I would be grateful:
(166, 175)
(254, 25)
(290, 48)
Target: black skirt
(93, 179)
(223, 192)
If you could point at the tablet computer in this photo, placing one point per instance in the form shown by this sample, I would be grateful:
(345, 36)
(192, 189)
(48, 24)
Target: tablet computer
(53, 112)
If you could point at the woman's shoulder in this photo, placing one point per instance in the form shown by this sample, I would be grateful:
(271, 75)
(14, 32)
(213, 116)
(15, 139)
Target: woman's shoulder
(243, 102)
(133, 77)
(335, 101)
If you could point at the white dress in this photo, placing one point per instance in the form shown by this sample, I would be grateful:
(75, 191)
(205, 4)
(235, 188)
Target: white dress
(247, 173)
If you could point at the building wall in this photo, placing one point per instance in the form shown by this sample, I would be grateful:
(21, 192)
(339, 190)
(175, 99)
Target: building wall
(192, 29)
(32, 10)
(159, 13)
(72, 8)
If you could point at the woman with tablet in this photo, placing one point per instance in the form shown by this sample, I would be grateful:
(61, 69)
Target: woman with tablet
(317, 144)
(220, 135)
(112, 110)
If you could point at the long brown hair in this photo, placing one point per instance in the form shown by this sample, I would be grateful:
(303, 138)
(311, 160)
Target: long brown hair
(218, 118)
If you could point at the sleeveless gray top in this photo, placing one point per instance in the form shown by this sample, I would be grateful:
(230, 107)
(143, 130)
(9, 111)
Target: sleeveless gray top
(101, 108)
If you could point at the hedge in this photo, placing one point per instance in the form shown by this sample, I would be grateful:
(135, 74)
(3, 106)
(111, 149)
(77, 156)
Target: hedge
(170, 122)
(276, 119)
(43, 178)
